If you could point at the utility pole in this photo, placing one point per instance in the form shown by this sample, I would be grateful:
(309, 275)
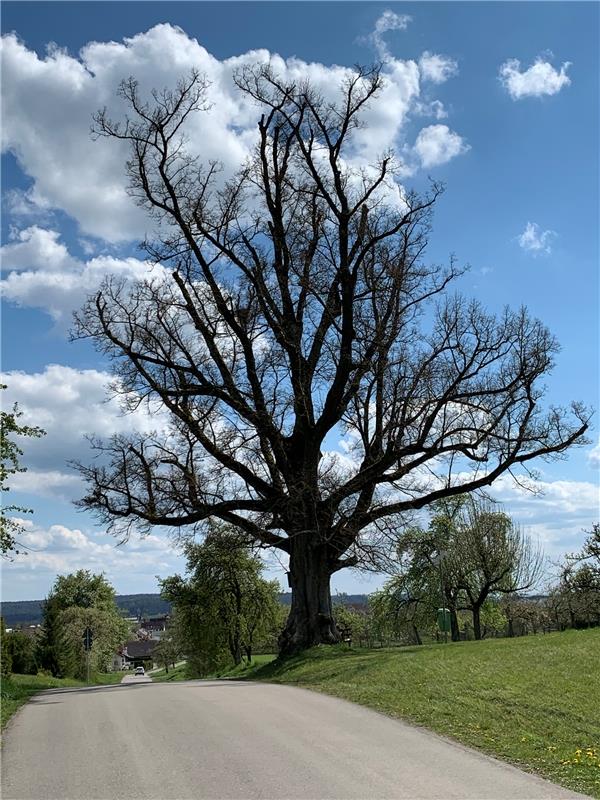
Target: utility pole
(443, 613)
(443, 595)
(88, 638)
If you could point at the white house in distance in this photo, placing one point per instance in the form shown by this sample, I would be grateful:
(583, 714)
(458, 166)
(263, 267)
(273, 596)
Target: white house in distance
(137, 652)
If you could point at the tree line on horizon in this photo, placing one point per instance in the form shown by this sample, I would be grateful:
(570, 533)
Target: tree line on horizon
(224, 610)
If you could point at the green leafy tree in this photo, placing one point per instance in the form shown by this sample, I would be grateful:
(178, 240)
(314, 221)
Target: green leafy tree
(5, 656)
(352, 620)
(10, 454)
(55, 651)
(78, 601)
(225, 605)
(168, 650)
(405, 607)
(470, 551)
(576, 598)
(22, 650)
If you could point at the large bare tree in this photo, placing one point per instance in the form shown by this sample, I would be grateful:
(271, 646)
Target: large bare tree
(300, 310)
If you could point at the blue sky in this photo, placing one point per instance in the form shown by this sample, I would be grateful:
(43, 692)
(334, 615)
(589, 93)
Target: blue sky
(497, 100)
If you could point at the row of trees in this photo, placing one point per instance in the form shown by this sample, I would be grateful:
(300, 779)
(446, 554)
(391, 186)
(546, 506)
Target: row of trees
(487, 563)
(471, 557)
(471, 551)
(76, 602)
(576, 596)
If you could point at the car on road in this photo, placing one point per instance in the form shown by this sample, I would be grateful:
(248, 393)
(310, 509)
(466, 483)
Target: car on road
(139, 671)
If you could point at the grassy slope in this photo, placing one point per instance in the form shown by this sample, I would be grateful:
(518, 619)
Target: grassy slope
(177, 674)
(534, 701)
(17, 689)
(180, 672)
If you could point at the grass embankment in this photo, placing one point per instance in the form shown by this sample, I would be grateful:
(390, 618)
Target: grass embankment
(181, 671)
(17, 689)
(244, 669)
(177, 673)
(533, 701)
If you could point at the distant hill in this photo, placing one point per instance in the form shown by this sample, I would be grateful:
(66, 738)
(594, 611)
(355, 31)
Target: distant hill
(132, 605)
(22, 612)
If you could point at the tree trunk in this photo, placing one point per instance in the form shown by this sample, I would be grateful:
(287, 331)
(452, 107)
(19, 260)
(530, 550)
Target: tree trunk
(454, 629)
(477, 622)
(310, 621)
(235, 648)
(416, 635)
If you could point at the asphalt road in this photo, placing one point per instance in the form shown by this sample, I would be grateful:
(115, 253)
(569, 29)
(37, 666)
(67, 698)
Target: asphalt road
(249, 741)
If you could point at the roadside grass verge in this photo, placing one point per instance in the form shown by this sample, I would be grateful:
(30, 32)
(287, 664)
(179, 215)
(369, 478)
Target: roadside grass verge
(533, 701)
(182, 671)
(245, 670)
(16, 690)
(177, 673)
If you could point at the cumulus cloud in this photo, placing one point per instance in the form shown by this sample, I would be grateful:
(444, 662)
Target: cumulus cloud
(388, 21)
(48, 105)
(540, 79)
(43, 274)
(556, 513)
(437, 68)
(58, 549)
(434, 108)
(36, 248)
(535, 240)
(594, 456)
(437, 144)
(69, 404)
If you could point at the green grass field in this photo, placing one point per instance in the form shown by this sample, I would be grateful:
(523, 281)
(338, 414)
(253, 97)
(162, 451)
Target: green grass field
(533, 701)
(17, 689)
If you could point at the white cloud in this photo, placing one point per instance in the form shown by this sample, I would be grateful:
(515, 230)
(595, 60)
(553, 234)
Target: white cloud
(43, 274)
(437, 68)
(536, 241)
(388, 21)
(58, 549)
(24, 205)
(540, 79)
(36, 248)
(435, 108)
(48, 483)
(594, 456)
(437, 144)
(69, 404)
(557, 514)
(48, 105)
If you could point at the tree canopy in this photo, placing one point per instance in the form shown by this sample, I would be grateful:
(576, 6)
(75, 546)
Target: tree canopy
(225, 607)
(78, 601)
(296, 306)
(471, 550)
(10, 454)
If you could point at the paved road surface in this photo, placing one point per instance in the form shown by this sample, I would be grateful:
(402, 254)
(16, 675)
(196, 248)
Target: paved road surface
(136, 678)
(248, 741)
